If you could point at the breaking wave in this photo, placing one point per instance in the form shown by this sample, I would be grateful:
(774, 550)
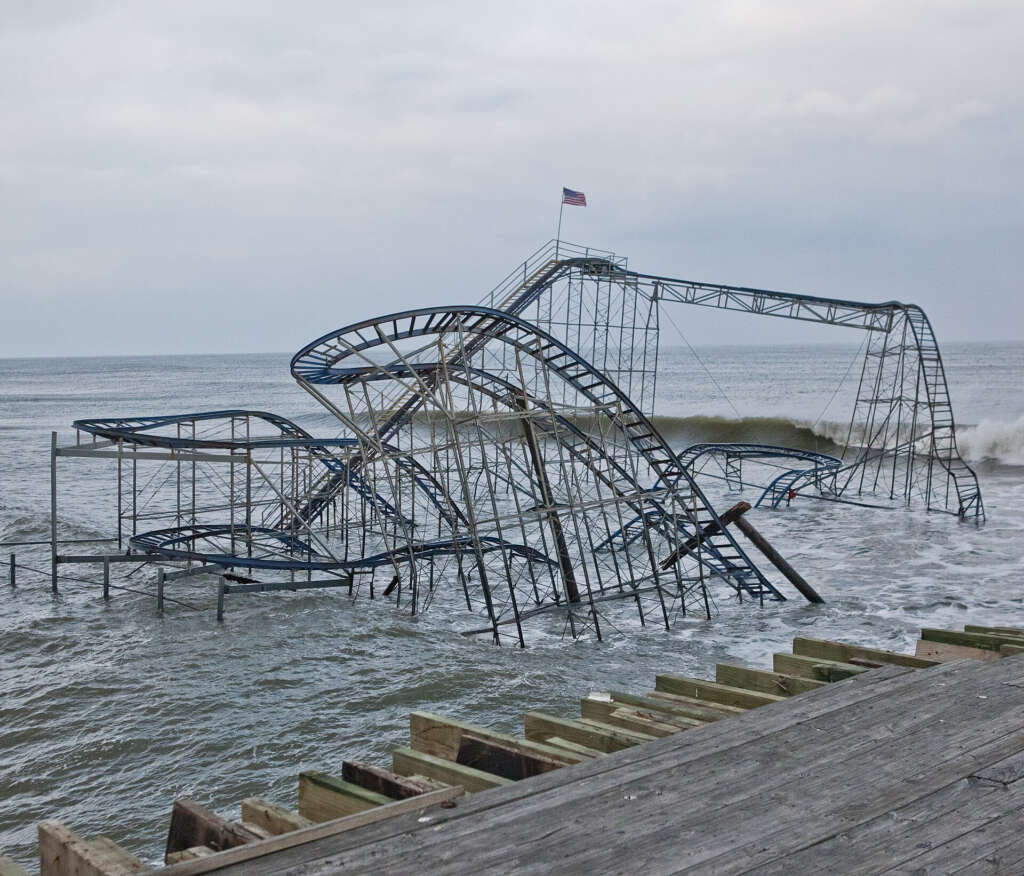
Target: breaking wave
(993, 440)
(824, 437)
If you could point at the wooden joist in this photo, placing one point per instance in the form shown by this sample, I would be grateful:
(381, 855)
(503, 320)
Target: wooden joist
(323, 797)
(442, 737)
(503, 760)
(192, 854)
(763, 681)
(1017, 632)
(384, 781)
(844, 653)
(604, 738)
(583, 751)
(407, 762)
(195, 825)
(270, 817)
(9, 868)
(815, 668)
(984, 641)
(630, 718)
(713, 692)
(681, 707)
(943, 652)
(62, 852)
(239, 855)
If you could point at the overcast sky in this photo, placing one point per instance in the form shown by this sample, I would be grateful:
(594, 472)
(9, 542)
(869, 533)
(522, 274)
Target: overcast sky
(244, 176)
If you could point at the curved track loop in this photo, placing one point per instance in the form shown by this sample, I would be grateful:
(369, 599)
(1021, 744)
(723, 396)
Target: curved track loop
(494, 395)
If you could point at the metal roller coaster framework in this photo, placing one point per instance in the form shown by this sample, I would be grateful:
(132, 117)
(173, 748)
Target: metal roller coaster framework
(504, 456)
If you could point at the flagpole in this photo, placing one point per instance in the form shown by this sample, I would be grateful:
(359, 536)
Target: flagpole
(558, 234)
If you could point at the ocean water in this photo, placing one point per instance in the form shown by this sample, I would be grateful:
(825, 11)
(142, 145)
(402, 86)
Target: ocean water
(109, 711)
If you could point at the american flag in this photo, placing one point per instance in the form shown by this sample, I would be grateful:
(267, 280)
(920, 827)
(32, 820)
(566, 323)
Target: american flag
(574, 199)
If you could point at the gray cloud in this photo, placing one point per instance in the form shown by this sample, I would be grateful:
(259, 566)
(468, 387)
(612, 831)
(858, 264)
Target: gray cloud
(228, 176)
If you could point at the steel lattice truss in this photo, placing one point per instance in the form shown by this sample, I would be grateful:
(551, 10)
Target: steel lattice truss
(502, 457)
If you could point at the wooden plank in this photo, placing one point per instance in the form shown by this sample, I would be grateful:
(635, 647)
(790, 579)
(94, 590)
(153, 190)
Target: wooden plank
(502, 760)
(985, 641)
(814, 668)
(191, 854)
(383, 781)
(583, 751)
(243, 855)
(1017, 632)
(773, 734)
(763, 681)
(195, 825)
(711, 796)
(680, 707)
(944, 652)
(716, 693)
(640, 720)
(1011, 650)
(9, 868)
(672, 699)
(62, 852)
(324, 797)
(442, 737)
(405, 762)
(271, 817)
(843, 653)
(261, 832)
(606, 739)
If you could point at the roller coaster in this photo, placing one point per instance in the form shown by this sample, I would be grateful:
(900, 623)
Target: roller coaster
(503, 456)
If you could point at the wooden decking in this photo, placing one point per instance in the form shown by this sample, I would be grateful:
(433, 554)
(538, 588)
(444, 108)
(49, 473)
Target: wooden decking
(840, 759)
(893, 771)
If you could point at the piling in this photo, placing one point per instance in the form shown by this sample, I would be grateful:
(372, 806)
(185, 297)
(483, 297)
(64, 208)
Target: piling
(14, 573)
(221, 586)
(106, 578)
(159, 589)
(777, 560)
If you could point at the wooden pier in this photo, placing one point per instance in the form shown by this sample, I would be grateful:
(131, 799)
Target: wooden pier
(840, 759)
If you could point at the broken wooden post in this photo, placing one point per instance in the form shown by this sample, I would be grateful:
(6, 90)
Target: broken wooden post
(713, 528)
(194, 825)
(106, 577)
(62, 852)
(160, 590)
(221, 586)
(13, 571)
(777, 560)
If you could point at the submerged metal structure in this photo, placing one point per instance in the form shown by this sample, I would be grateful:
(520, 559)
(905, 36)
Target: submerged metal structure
(502, 457)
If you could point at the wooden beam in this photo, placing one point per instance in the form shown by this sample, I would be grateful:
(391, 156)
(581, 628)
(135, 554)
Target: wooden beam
(62, 852)
(716, 693)
(9, 868)
(337, 826)
(406, 762)
(683, 707)
(1011, 650)
(323, 797)
(688, 546)
(843, 653)
(764, 682)
(640, 720)
(442, 737)
(815, 668)
(1017, 632)
(383, 781)
(584, 752)
(502, 760)
(195, 825)
(985, 641)
(191, 854)
(272, 818)
(606, 739)
(944, 652)
(779, 561)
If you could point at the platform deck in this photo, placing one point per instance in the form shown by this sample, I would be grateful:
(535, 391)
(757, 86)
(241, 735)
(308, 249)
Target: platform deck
(891, 771)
